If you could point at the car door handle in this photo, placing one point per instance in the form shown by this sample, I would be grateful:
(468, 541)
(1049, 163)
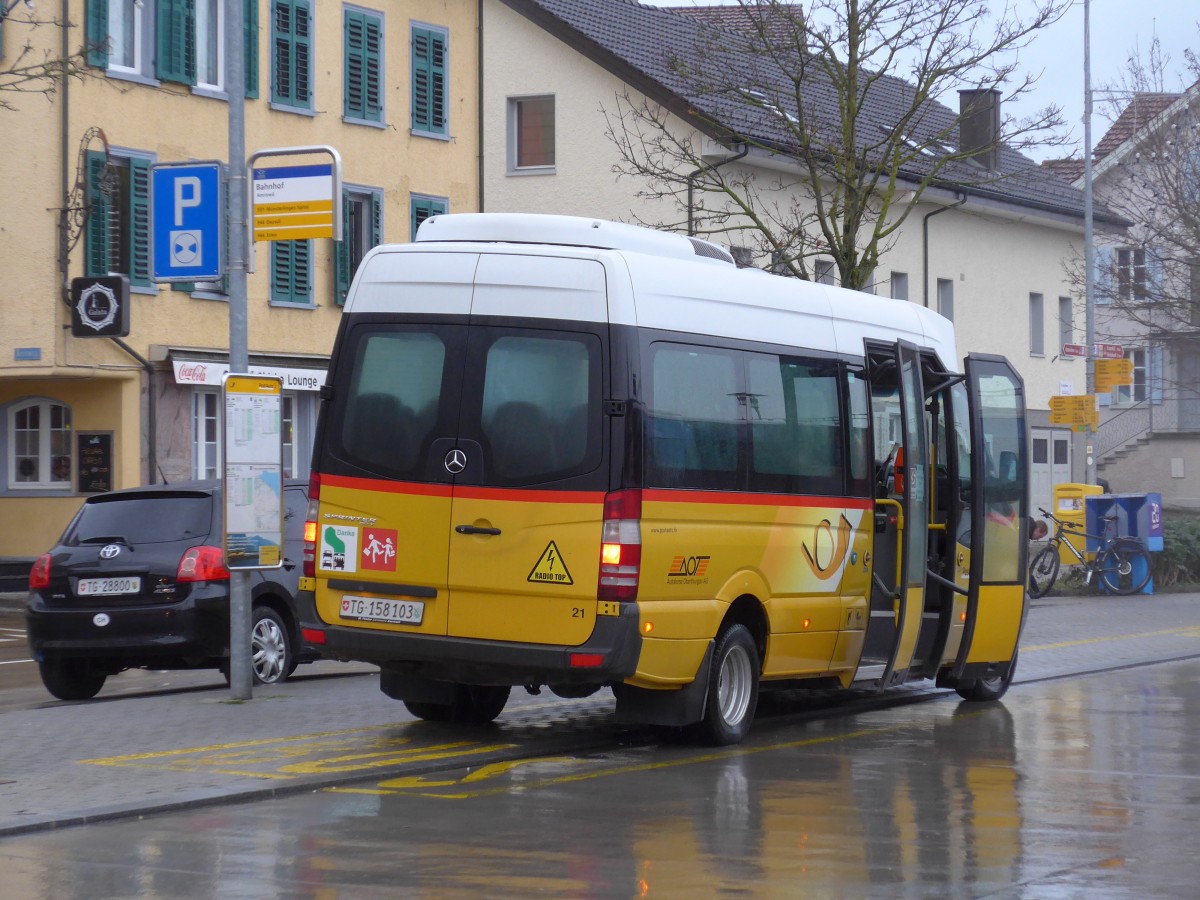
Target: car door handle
(474, 529)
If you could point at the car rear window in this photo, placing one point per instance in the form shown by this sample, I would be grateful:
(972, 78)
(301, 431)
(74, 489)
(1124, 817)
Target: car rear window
(143, 519)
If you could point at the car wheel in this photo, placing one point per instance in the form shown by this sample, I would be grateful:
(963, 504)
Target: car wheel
(270, 647)
(72, 679)
(983, 690)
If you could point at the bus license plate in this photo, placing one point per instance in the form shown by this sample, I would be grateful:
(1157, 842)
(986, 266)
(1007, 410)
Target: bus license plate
(99, 587)
(374, 609)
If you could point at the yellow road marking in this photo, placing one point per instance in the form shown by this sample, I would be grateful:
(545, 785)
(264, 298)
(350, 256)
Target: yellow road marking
(1190, 631)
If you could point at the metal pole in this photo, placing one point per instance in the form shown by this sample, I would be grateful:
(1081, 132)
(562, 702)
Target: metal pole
(241, 681)
(1089, 253)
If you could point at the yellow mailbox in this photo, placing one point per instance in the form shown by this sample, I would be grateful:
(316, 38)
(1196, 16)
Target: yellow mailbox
(1069, 505)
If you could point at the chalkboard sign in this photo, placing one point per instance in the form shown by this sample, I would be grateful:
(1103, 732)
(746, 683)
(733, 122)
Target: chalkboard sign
(95, 461)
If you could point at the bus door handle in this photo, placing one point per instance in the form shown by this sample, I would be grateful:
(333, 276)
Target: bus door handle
(475, 529)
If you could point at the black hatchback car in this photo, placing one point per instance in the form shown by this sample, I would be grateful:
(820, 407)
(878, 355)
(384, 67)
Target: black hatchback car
(138, 580)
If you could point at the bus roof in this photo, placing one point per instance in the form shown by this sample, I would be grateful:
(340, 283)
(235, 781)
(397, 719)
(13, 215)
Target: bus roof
(666, 281)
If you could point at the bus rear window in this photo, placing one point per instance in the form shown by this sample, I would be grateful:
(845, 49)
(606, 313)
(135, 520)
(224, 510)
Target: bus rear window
(392, 405)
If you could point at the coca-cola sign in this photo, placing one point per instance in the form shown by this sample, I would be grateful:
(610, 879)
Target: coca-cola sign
(188, 372)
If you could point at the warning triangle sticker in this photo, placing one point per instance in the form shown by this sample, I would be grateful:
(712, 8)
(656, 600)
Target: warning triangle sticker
(550, 569)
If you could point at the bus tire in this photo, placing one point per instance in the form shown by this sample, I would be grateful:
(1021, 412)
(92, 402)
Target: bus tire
(982, 690)
(1042, 572)
(732, 689)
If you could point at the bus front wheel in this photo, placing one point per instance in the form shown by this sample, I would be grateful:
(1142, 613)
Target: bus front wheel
(732, 688)
(985, 689)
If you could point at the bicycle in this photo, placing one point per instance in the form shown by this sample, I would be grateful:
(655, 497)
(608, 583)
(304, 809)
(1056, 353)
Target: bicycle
(1121, 564)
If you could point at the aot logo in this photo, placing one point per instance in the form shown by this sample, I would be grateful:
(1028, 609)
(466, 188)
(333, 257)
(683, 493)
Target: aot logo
(689, 569)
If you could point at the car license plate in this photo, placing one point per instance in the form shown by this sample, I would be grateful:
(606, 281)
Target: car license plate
(375, 609)
(98, 587)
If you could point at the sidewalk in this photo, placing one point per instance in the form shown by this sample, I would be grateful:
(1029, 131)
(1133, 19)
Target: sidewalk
(71, 763)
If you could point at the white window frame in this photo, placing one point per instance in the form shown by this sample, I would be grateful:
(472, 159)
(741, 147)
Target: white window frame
(1131, 275)
(514, 104)
(207, 429)
(1139, 391)
(1037, 324)
(141, 10)
(1066, 324)
(45, 446)
(203, 7)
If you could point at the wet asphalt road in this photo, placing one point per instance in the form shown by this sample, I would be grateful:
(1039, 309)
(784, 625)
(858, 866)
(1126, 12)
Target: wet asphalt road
(1083, 782)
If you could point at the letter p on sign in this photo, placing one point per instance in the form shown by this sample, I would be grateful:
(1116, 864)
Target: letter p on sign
(185, 198)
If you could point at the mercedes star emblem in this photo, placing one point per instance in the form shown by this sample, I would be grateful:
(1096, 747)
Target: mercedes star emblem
(456, 461)
(110, 550)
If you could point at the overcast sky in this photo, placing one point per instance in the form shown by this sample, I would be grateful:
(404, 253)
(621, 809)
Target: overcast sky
(1057, 53)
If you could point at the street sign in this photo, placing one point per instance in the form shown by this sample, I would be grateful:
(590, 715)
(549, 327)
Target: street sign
(1108, 351)
(186, 222)
(1074, 350)
(253, 471)
(1076, 410)
(1112, 372)
(293, 202)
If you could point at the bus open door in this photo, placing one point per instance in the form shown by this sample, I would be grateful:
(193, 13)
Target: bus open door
(995, 533)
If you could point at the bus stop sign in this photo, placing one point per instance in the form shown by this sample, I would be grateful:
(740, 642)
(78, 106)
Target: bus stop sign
(185, 222)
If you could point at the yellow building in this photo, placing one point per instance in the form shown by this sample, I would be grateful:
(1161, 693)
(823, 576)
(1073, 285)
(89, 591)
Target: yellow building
(392, 86)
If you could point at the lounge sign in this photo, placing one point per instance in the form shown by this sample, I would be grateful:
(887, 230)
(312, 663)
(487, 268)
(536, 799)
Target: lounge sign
(100, 306)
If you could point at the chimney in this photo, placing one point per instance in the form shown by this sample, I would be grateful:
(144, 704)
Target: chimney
(979, 125)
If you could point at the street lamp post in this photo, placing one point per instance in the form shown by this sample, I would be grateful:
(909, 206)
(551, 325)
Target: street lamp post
(1089, 252)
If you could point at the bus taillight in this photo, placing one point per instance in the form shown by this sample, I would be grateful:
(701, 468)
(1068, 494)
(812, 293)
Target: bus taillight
(621, 546)
(310, 526)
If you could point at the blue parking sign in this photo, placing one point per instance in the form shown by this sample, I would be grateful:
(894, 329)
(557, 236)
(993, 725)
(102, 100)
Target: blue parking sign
(185, 220)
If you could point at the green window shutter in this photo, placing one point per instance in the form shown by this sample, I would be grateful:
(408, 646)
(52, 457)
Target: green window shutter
(185, 287)
(376, 219)
(361, 51)
(250, 28)
(428, 81)
(95, 239)
(139, 222)
(175, 34)
(97, 33)
(291, 40)
(341, 256)
(422, 208)
(291, 271)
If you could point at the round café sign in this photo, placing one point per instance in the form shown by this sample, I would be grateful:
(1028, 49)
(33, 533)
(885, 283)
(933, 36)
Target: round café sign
(97, 306)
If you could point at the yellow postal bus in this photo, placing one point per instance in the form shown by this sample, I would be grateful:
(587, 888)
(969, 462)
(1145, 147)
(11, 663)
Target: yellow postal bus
(575, 454)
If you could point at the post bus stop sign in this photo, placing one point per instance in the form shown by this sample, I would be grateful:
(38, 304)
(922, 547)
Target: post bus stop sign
(185, 222)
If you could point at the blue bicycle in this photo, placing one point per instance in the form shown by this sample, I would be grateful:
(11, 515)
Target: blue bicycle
(1121, 565)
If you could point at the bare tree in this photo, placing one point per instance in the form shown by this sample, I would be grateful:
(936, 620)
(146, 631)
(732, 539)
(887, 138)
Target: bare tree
(842, 97)
(34, 68)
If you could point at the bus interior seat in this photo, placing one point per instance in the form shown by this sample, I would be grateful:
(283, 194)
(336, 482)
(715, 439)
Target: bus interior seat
(378, 431)
(522, 441)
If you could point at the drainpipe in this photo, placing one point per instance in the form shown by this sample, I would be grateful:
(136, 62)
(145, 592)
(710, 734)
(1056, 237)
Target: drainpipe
(691, 184)
(925, 242)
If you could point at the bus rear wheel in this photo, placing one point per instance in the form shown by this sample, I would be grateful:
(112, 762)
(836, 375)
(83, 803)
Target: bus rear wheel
(985, 689)
(732, 689)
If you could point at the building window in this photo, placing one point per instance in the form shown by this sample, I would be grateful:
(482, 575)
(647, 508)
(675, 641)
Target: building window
(39, 454)
(117, 236)
(823, 271)
(1037, 325)
(899, 285)
(117, 36)
(1066, 323)
(210, 44)
(429, 71)
(531, 133)
(362, 50)
(1128, 394)
(291, 49)
(206, 432)
(421, 207)
(945, 298)
(361, 221)
(1131, 274)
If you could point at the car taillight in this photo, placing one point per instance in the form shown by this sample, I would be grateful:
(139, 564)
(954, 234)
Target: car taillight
(202, 564)
(621, 546)
(39, 575)
(310, 526)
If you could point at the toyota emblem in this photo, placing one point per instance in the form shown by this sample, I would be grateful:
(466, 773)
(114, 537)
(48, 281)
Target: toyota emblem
(110, 550)
(456, 461)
